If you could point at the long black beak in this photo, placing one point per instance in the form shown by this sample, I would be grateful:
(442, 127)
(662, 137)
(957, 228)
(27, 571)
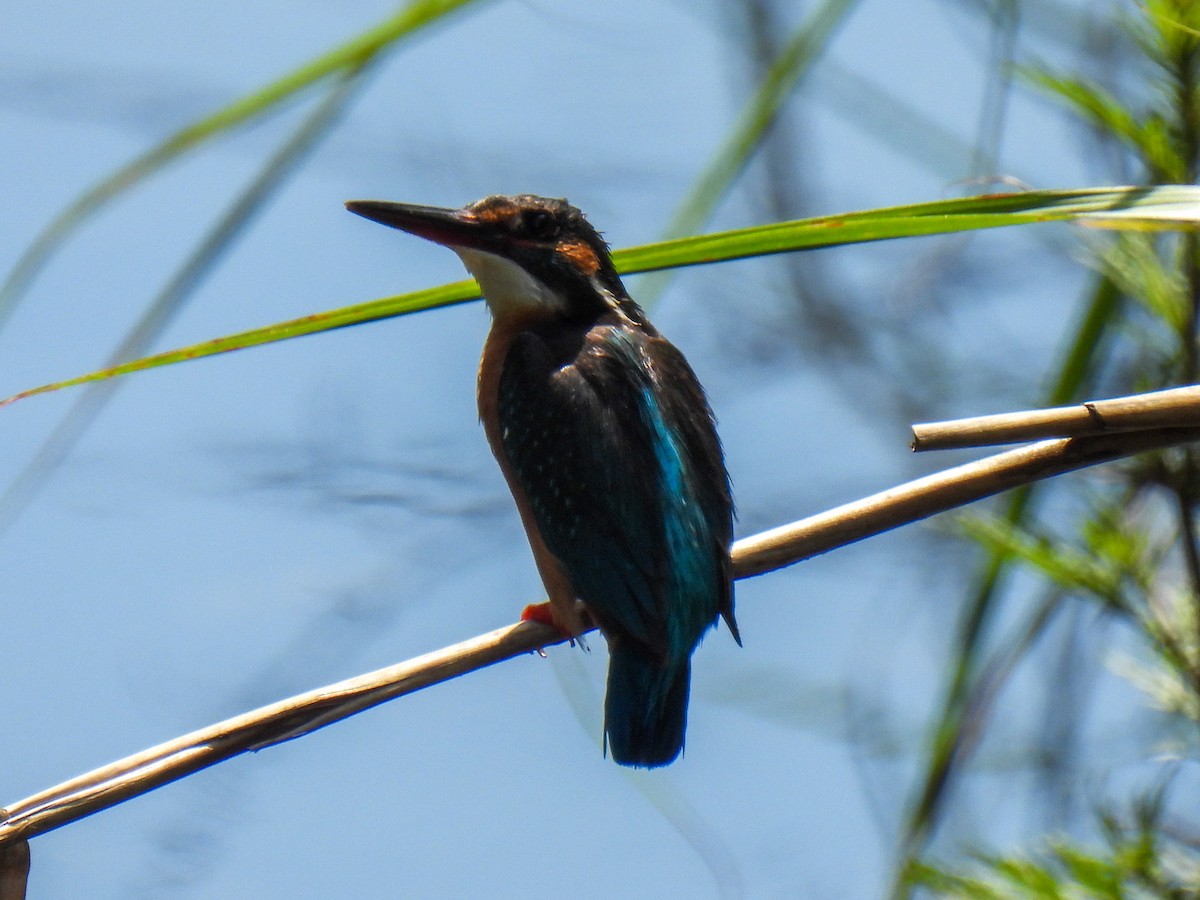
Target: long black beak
(449, 227)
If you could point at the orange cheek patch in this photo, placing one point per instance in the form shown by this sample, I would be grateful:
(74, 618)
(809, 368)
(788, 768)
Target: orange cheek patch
(581, 256)
(494, 214)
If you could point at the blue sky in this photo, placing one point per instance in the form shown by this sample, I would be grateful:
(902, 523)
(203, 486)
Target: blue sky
(240, 529)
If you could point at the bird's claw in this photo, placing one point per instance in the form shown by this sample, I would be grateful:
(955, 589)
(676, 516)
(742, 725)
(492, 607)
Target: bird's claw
(544, 614)
(541, 612)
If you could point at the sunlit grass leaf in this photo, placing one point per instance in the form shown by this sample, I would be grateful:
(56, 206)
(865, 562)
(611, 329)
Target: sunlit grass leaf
(1012, 877)
(1097, 875)
(389, 307)
(1026, 875)
(1175, 203)
(1128, 554)
(1175, 24)
(1126, 207)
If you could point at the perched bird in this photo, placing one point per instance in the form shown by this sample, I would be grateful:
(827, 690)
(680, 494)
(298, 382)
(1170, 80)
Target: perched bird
(608, 446)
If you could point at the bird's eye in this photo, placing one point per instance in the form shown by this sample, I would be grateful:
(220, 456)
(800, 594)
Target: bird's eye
(537, 223)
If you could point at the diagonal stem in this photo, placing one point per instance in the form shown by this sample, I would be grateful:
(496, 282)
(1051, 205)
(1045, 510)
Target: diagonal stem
(765, 552)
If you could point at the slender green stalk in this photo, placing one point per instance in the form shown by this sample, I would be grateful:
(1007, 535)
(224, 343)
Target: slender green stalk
(29, 481)
(752, 126)
(350, 55)
(1115, 207)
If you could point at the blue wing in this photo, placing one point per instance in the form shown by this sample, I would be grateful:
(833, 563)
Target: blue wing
(610, 435)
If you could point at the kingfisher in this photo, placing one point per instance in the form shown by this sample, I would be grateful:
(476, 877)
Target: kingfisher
(608, 444)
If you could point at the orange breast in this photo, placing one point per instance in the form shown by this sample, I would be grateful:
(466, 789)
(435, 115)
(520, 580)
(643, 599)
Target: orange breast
(569, 615)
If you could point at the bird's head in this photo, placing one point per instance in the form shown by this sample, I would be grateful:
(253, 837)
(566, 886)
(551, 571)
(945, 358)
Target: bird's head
(533, 257)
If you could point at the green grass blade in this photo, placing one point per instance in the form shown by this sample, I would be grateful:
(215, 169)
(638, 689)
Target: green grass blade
(352, 53)
(22, 489)
(1178, 205)
(1124, 207)
(446, 295)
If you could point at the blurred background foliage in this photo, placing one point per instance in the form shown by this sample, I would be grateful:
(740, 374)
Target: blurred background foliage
(1126, 554)
(1055, 582)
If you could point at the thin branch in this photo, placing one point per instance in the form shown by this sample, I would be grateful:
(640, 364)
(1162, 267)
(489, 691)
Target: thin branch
(756, 555)
(1174, 408)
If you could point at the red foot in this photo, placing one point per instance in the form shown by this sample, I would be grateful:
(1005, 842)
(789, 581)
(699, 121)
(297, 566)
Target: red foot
(541, 612)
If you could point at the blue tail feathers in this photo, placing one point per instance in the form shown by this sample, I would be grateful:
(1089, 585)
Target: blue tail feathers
(645, 709)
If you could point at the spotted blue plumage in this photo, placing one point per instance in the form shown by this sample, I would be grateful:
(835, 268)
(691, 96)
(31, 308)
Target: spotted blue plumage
(613, 442)
(609, 447)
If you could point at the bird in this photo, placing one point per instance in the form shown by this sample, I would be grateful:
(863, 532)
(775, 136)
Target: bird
(609, 447)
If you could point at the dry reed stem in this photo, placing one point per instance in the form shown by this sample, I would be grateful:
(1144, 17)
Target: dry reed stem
(756, 555)
(1174, 408)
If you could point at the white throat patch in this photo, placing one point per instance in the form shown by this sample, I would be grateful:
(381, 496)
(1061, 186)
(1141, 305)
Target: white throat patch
(507, 287)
